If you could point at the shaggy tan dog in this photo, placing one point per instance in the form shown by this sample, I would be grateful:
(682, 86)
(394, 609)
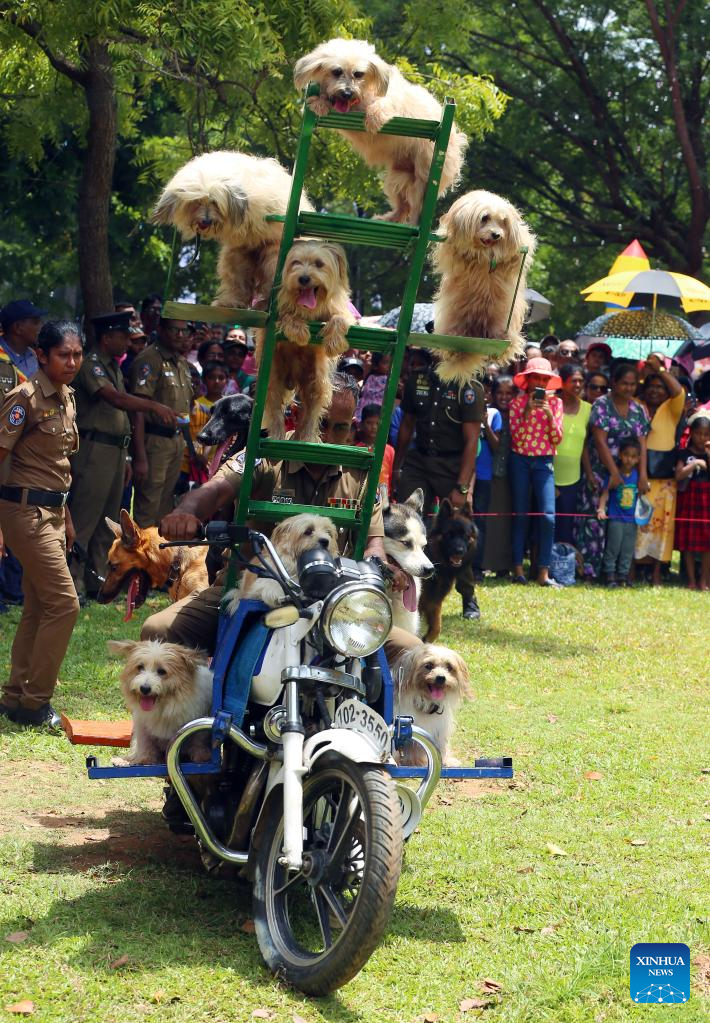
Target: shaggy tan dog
(479, 265)
(226, 196)
(291, 538)
(165, 686)
(314, 287)
(430, 682)
(352, 77)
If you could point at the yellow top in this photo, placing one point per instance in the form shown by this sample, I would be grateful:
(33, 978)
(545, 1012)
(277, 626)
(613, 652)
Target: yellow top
(665, 422)
(568, 460)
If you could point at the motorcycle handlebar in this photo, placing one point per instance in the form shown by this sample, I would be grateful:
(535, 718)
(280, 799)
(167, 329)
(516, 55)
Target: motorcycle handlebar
(217, 534)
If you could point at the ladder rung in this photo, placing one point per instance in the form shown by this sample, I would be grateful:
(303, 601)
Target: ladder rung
(451, 343)
(275, 512)
(338, 227)
(411, 127)
(214, 314)
(372, 339)
(320, 454)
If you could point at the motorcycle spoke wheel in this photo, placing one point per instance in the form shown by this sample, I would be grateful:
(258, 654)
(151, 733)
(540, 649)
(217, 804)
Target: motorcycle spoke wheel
(318, 926)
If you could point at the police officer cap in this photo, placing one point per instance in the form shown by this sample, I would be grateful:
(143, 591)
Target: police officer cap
(111, 321)
(20, 309)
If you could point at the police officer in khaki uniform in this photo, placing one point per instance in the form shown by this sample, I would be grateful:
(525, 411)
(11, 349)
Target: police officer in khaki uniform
(163, 374)
(38, 433)
(99, 467)
(442, 461)
(193, 620)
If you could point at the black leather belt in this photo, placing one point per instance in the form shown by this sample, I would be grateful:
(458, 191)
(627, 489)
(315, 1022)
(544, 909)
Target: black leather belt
(100, 437)
(26, 495)
(435, 453)
(160, 431)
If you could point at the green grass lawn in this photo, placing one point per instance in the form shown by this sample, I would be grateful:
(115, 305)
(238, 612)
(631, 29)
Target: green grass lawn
(117, 923)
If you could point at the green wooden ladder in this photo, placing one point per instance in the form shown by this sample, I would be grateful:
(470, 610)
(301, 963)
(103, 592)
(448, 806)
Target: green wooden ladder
(348, 230)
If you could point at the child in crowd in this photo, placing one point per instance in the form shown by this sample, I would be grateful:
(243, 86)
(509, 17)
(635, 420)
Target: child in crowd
(618, 506)
(488, 445)
(365, 437)
(373, 390)
(692, 527)
(197, 457)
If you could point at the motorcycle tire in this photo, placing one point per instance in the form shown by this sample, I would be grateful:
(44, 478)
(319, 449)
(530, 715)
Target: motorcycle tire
(317, 927)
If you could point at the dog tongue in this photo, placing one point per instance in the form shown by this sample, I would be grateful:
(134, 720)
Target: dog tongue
(409, 596)
(307, 297)
(342, 105)
(147, 702)
(436, 692)
(131, 595)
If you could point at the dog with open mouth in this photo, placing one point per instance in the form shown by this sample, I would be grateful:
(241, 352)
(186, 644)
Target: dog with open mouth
(226, 196)
(431, 682)
(404, 541)
(352, 77)
(165, 686)
(452, 548)
(227, 428)
(137, 564)
(314, 288)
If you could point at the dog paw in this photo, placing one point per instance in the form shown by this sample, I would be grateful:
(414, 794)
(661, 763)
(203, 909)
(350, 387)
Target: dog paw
(333, 334)
(375, 117)
(295, 330)
(319, 105)
(452, 762)
(121, 762)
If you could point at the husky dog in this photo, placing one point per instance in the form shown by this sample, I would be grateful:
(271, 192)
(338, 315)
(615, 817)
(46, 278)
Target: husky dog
(405, 540)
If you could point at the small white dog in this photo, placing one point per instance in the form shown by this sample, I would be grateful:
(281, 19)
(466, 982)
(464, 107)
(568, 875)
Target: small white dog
(404, 542)
(165, 686)
(314, 287)
(226, 196)
(291, 538)
(352, 77)
(479, 265)
(430, 683)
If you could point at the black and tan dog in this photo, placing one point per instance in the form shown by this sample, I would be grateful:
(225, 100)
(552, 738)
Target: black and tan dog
(451, 547)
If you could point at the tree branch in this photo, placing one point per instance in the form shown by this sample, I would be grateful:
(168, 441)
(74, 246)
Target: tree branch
(57, 60)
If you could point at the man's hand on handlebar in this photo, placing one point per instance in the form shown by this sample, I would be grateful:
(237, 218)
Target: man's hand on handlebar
(180, 525)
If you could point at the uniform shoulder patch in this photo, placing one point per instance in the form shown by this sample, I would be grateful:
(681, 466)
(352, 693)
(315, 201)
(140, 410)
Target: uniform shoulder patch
(469, 396)
(98, 371)
(144, 370)
(16, 415)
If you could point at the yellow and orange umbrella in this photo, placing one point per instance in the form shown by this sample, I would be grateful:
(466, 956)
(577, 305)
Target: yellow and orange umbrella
(619, 287)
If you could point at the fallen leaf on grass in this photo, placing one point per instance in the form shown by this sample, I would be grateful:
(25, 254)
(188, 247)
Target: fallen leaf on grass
(637, 841)
(552, 718)
(249, 927)
(491, 985)
(430, 1017)
(593, 775)
(23, 1008)
(17, 936)
(261, 1014)
(473, 1003)
(524, 930)
(525, 870)
(555, 850)
(118, 963)
(446, 802)
(702, 977)
(299, 1019)
(550, 929)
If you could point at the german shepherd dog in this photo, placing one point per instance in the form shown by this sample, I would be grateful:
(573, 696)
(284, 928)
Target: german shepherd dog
(136, 563)
(452, 546)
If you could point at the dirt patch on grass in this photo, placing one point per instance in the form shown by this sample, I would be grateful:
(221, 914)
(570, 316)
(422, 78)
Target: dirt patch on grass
(478, 788)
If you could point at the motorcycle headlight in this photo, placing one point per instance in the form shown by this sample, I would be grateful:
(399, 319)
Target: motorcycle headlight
(356, 619)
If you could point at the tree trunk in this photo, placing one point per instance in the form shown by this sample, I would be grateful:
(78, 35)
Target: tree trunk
(96, 182)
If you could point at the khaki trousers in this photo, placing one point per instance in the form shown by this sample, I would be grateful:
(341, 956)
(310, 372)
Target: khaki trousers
(155, 498)
(97, 488)
(51, 607)
(192, 621)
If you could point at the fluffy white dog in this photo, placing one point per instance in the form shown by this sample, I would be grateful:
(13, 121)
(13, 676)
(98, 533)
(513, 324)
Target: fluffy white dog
(315, 287)
(226, 196)
(430, 682)
(291, 538)
(352, 77)
(165, 686)
(479, 265)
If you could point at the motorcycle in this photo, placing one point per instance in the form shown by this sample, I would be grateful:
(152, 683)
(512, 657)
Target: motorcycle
(302, 793)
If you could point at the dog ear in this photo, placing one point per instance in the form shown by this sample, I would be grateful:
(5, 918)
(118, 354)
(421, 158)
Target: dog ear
(415, 501)
(462, 675)
(380, 72)
(341, 259)
(404, 668)
(129, 531)
(164, 210)
(307, 69)
(446, 511)
(114, 527)
(235, 202)
(121, 647)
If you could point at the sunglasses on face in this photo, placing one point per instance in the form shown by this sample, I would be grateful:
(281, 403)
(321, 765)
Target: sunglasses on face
(597, 387)
(569, 351)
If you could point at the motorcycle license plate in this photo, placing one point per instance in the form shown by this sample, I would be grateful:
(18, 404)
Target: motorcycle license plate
(360, 718)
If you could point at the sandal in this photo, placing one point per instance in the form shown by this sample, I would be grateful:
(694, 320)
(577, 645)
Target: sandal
(520, 579)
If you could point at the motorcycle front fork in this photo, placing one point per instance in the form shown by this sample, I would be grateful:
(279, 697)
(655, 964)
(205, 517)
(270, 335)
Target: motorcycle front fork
(292, 732)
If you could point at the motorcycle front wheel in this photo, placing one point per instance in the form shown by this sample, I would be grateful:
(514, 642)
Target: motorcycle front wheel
(318, 926)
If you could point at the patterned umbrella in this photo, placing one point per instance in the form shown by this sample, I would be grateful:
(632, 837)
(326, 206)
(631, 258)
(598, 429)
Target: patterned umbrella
(692, 294)
(423, 314)
(635, 334)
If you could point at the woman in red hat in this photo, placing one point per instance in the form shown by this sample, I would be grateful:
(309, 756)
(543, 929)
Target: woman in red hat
(536, 418)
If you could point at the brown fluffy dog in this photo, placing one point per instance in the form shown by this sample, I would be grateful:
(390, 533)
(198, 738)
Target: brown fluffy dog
(137, 564)
(314, 287)
(164, 686)
(430, 682)
(226, 196)
(352, 77)
(479, 265)
(291, 538)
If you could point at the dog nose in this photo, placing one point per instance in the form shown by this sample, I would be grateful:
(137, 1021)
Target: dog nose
(495, 235)
(347, 93)
(145, 690)
(440, 679)
(324, 542)
(304, 279)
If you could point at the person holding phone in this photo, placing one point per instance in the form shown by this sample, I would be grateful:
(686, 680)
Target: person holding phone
(536, 426)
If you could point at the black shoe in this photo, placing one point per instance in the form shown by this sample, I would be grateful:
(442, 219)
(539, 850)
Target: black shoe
(45, 716)
(8, 712)
(471, 609)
